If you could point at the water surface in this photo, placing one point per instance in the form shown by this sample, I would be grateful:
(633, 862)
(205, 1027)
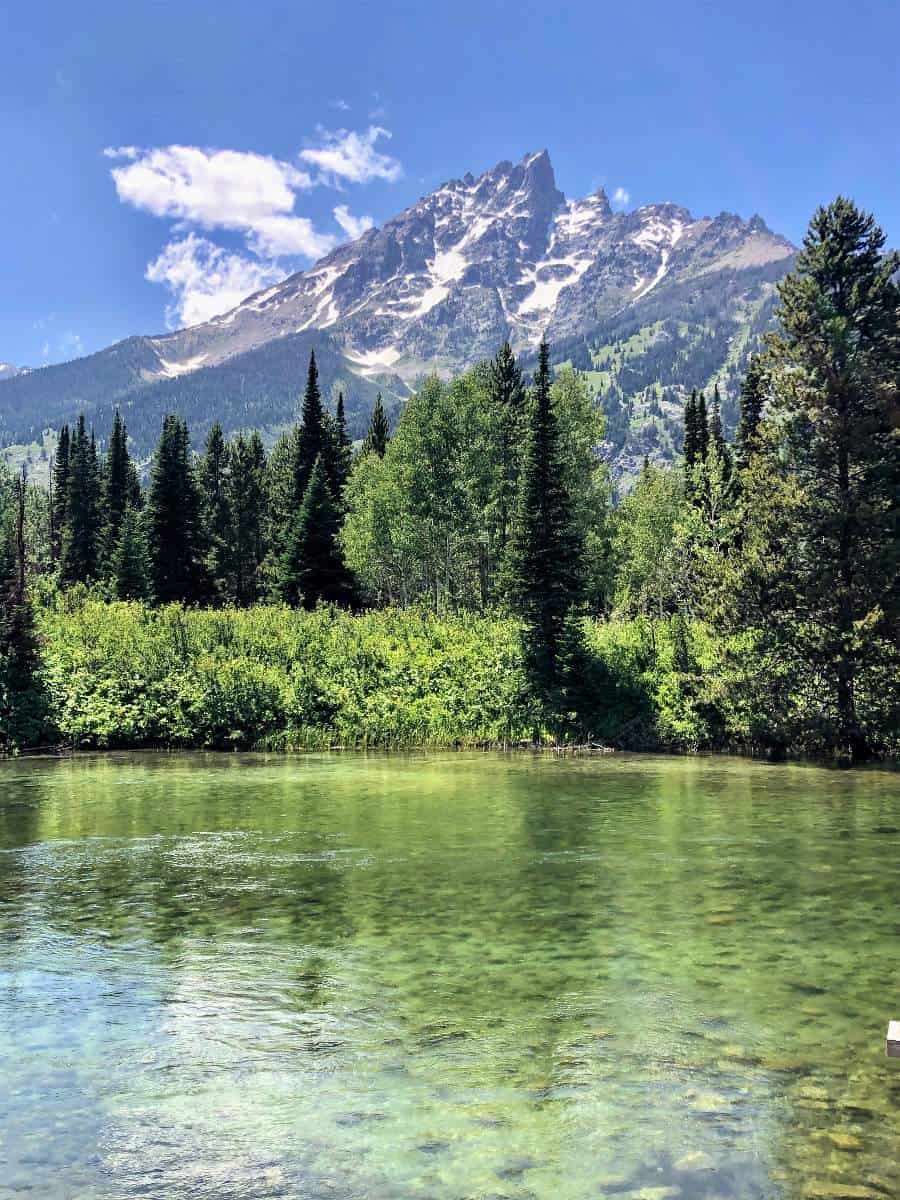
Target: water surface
(447, 977)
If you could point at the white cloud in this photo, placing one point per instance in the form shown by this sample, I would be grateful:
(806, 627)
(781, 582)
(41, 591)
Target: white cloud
(354, 227)
(339, 104)
(348, 155)
(206, 280)
(621, 196)
(245, 193)
(216, 189)
(121, 152)
(276, 236)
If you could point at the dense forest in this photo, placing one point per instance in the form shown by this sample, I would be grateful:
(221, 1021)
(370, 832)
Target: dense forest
(469, 576)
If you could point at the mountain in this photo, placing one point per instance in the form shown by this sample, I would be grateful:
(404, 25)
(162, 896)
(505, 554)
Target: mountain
(8, 371)
(650, 303)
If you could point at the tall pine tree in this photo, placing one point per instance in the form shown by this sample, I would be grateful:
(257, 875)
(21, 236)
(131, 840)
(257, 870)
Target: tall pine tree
(836, 403)
(312, 566)
(311, 436)
(545, 567)
(59, 492)
(215, 514)
(378, 436)
(246, 489)
(120, 486)
(81, 538)
(23, 703)
(717, 434)
(129, 564)
(702, 427)
(691, 437)
(509, 397)
(173, 520)
(753, 398)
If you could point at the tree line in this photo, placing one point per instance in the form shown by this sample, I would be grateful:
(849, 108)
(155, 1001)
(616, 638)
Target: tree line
(490, 495)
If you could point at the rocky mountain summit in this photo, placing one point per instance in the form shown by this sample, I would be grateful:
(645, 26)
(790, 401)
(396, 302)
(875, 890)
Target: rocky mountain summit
(649, 303)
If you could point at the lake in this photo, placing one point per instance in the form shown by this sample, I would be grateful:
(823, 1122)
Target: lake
(447, 976)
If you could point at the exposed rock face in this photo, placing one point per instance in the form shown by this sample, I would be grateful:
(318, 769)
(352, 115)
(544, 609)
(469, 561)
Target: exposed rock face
(477, 261)
(650, 302)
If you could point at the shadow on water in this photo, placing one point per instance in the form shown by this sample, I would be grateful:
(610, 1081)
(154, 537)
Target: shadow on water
(447, 976)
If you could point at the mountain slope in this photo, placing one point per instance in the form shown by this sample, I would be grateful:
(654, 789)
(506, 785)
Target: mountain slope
(651, 302)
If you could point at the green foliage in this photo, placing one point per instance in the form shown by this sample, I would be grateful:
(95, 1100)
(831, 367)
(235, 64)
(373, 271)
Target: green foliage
(127, 675)
(648, 566)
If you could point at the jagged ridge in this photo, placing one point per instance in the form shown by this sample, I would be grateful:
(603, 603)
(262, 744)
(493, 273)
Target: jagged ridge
(478, 260)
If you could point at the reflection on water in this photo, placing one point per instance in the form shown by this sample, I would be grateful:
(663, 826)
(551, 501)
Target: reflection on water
(447, 977)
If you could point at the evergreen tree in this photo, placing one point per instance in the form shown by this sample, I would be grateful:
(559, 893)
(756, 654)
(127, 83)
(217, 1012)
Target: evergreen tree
(343, 450)
(246, 481)
(81, 534)
(836, 395)
(378, 436)
(545, 549)
(753, 395)
(691, 437)
(311, 438)
(120, 485)
(337, 455)
(215, 514)
(59, 492)
(129, 562)
(278, 507)
(312, 566)
(717, 434)
(173, 520)
(23, 703)
(507, 392)
(702, 429)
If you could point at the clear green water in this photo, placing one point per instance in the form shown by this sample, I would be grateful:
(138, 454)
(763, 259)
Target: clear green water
(448, 977)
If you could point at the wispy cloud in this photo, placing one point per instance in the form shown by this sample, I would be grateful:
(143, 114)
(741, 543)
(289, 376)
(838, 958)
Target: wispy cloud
(339, 104)
(622, 197)
(346, 155)
(206, 280)
(354, 227)
(71, 345)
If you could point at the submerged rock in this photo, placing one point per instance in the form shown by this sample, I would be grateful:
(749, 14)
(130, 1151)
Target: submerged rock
(844, 1140)
(695, 1160)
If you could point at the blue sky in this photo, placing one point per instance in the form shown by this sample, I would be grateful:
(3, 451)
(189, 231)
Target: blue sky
(252, 136)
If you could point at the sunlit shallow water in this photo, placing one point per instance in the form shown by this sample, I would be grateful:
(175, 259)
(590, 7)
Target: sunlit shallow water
(447, 976)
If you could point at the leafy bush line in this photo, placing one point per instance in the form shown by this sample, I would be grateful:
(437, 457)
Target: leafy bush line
(124, 675)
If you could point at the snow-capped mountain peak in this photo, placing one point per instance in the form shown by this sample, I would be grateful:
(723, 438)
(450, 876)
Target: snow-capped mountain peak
(482, 258)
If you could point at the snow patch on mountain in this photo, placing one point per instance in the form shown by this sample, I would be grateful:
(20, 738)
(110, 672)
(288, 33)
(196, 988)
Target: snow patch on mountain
(479, 260)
